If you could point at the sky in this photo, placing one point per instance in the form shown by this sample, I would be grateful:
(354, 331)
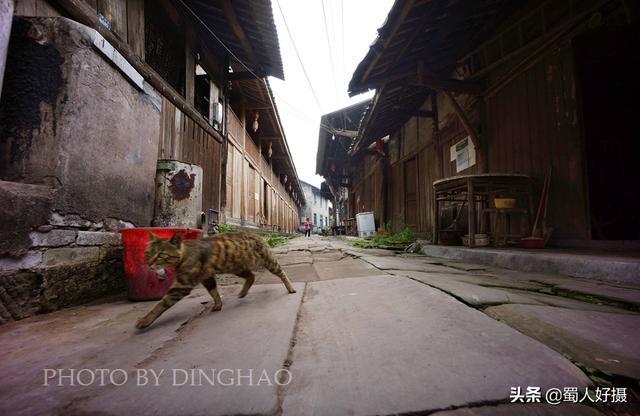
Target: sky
(351, 27)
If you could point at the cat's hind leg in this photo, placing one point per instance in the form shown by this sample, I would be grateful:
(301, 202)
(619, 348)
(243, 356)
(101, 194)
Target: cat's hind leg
(249, 278)
(212, 286)
(176, 292)
(274, 267)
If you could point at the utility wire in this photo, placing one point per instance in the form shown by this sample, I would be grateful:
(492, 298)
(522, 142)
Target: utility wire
(343, 66)
(333, 69)
(286, 25)
(327, 128)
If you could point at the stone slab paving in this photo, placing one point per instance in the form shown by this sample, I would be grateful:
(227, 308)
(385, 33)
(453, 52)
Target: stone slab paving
(359, 252)
(102, 336)
(385, 263)
(606, 341)
(468, 267)
(471, 294)
(295, 257)
(387, 345)
(609, 290)
(329, 255)
(568, 303)
(249, 333)
(366, 341)
(296, 273)
(626, 294)
(527, 409)
(347, 267)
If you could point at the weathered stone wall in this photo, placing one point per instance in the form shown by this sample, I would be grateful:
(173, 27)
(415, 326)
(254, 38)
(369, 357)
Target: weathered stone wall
(78, 149)
(70, 119)
(6, 14)
(71, 260)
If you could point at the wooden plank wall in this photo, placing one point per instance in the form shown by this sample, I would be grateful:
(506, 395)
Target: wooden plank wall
(247, 171)
(184, 140)
(532, 124)
(35, 8)
(417, 139)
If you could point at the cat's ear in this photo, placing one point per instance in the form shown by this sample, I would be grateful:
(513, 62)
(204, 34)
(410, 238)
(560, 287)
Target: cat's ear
(152, 236)
(176, 239)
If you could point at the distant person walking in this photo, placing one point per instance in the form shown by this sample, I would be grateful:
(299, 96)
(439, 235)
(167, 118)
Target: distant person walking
(307, 228)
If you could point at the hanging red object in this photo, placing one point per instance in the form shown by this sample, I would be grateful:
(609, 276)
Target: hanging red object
(333, 167)
(270, 151)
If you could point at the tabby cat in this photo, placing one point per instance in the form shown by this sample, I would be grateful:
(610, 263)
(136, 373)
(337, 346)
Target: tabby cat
(197, 261)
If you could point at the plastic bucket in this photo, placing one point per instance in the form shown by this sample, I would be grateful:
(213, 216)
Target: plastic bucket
(142, 282)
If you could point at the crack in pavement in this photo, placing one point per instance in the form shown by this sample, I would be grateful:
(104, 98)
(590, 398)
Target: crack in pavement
(288, 362)
(170, 342)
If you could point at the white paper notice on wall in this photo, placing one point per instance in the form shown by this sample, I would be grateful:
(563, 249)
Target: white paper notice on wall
(257, 196)
(464, 154)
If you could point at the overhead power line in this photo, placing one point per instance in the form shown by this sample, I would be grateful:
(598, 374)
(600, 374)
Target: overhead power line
(286, 25)
(343, 64)
(333, 68)
(241, 62)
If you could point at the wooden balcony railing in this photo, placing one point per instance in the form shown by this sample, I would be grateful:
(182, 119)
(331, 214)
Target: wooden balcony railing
(235, 128)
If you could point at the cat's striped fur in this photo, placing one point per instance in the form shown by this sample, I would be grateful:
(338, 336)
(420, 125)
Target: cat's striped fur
(198, 261)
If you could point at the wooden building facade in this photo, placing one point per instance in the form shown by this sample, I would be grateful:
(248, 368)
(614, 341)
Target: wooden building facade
(183, 50)
(517, 87)
(262, 186)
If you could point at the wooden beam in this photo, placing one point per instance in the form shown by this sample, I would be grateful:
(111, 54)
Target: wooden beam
(452, 85)
(237, 30)
(429, 114)
(408, 4)
(463, 119)
(241, 76)
(429, 81)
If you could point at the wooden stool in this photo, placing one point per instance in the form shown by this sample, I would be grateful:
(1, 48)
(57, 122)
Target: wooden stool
(501, 224)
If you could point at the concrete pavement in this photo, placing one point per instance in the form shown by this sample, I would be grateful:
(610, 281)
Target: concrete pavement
(368, 332)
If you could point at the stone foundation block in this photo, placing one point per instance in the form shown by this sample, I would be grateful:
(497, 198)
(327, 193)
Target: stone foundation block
(53, 238)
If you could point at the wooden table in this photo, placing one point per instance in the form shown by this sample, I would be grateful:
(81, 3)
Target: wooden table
(478, 191)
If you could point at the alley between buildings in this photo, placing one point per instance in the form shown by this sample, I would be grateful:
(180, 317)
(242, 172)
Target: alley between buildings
(368, 332)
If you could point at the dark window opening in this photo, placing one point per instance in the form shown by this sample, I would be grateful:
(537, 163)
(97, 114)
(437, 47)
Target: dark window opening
(207, 98)
(202, 92)
(164, 46)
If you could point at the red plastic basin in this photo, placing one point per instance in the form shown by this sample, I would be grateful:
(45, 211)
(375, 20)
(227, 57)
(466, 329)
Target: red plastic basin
(142, 282)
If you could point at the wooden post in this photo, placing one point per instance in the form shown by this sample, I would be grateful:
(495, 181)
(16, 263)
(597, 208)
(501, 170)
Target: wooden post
(472, 214)
(464, 120)
(190, 73)
(135, 27)
(436, 218)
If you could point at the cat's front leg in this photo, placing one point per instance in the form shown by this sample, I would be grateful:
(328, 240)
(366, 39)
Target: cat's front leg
(212, 287)
(171, 298)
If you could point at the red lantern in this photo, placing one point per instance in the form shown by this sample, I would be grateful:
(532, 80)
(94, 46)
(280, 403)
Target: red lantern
(270, 151)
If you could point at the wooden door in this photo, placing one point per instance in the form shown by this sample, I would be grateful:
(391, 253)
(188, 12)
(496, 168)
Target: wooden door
(251, 195)
(411, 193)
(237, 183)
